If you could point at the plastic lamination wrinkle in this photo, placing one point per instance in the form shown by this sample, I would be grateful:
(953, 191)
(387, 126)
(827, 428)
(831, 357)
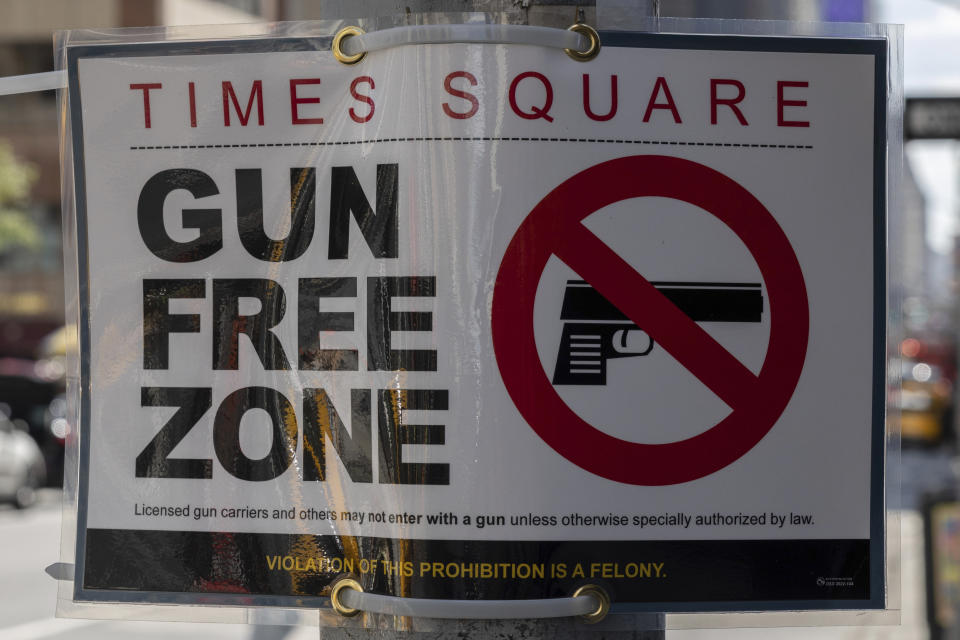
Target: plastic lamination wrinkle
(250, 215)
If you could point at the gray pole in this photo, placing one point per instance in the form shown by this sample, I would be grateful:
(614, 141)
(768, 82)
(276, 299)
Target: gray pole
(641, 627)
(550, 13)
(553, 13)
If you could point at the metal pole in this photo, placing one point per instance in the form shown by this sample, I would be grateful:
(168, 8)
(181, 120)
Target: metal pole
(642, 627)
(553, 13)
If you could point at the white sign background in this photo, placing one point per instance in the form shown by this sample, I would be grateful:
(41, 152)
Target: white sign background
(459, 204)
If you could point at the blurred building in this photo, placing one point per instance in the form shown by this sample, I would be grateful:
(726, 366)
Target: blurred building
(910, 255)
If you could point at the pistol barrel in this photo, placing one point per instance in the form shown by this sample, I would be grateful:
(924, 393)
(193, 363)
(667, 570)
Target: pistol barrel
(701, 301)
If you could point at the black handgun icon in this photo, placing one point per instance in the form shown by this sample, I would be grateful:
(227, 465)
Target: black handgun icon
(598, 331)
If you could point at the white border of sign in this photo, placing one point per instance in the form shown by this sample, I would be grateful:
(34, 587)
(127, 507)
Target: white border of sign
(888, 170)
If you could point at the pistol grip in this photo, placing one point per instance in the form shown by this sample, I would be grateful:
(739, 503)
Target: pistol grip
(581, 359)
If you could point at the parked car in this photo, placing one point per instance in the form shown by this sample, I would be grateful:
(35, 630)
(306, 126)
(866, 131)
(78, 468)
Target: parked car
(30, 393)
(22, 469)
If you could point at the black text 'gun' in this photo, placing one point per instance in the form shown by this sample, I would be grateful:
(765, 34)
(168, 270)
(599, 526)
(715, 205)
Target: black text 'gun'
(594, 330)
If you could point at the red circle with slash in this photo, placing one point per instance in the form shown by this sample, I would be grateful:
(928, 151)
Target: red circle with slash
(554, 227)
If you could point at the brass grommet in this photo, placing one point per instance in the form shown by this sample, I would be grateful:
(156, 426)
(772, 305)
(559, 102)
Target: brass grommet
(337, 46)
(593, 50)
(337, 589)
(603, 608)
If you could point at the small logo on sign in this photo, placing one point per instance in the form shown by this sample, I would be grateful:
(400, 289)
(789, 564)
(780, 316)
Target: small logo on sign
(834, 582)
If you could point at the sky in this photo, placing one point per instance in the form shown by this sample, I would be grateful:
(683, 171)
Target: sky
(932, 68)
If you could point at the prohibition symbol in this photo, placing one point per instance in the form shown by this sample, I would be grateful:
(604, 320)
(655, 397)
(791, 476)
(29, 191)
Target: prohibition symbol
(554, 227)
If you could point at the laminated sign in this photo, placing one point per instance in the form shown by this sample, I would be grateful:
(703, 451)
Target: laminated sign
(476, 321)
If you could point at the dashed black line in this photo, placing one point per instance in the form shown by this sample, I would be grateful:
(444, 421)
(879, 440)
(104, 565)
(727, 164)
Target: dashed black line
(326, 143)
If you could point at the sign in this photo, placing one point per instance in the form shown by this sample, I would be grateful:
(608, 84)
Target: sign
(481, 321)
(931, 118)
(554, 229)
